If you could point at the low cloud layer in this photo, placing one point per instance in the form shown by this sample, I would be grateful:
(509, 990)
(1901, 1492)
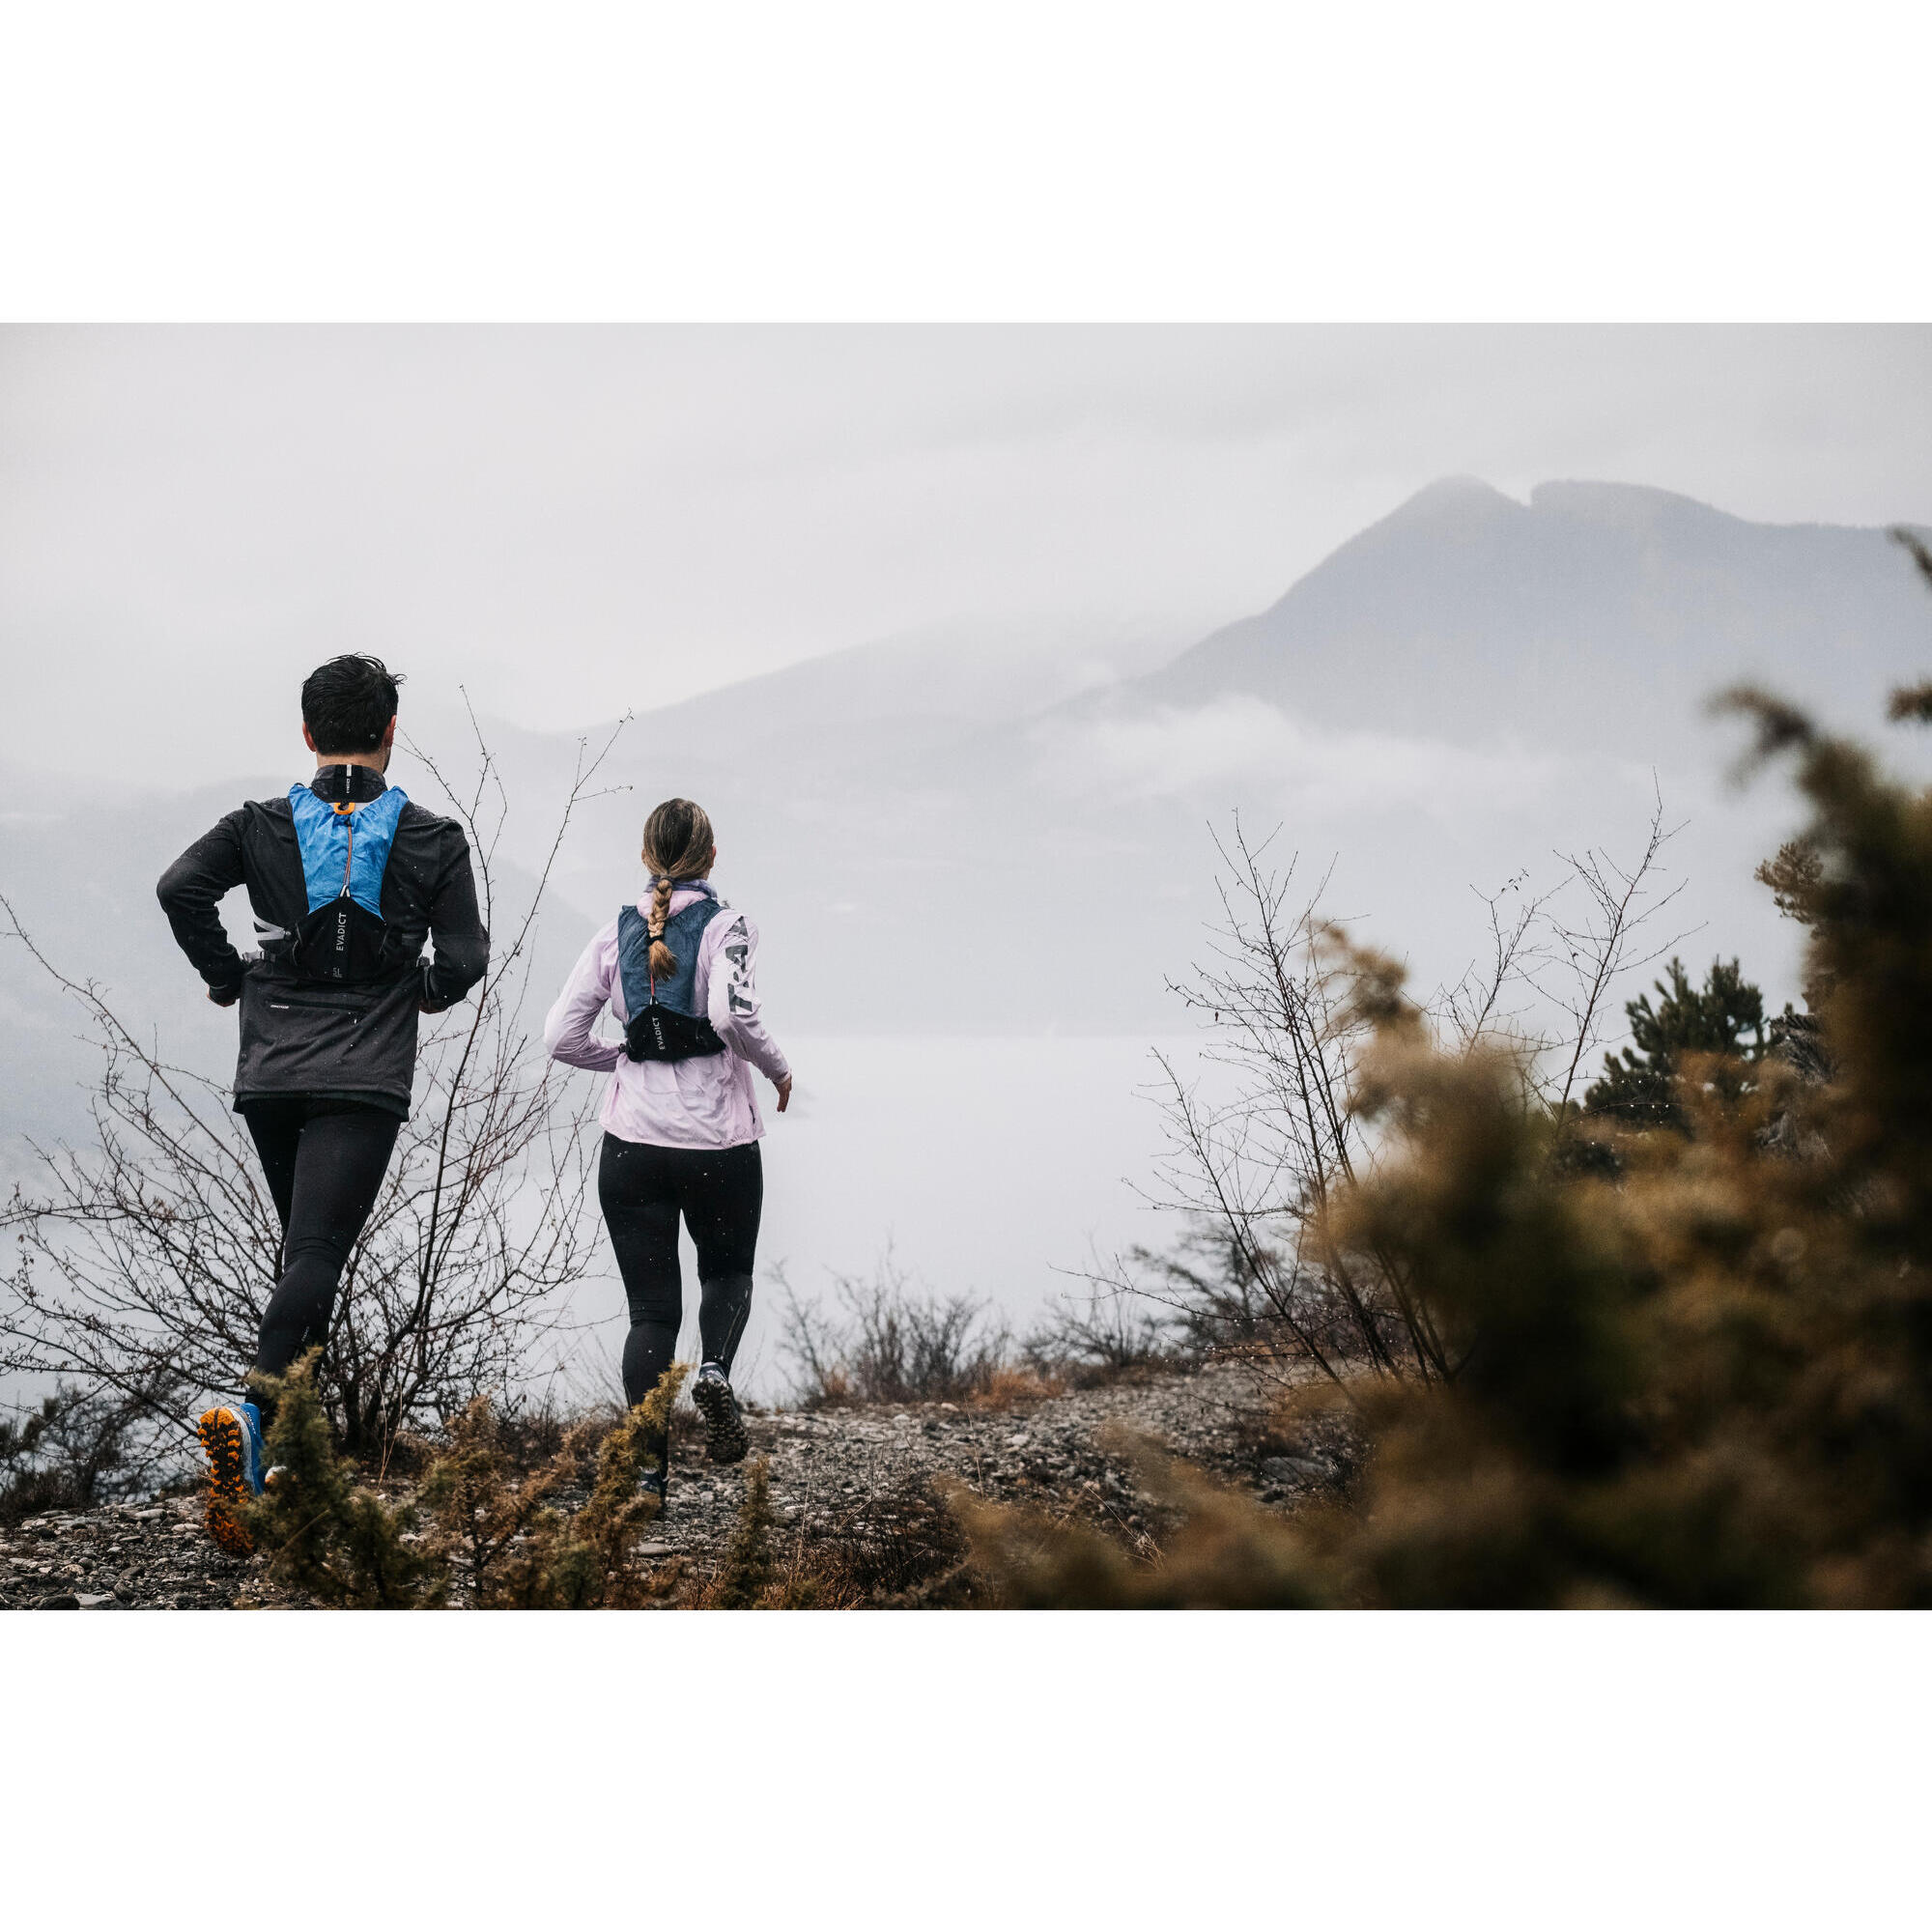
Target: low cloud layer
(1197, 752)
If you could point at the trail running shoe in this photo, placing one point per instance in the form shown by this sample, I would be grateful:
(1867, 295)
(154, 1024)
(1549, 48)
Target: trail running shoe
(724, 1424)
(231, 1439)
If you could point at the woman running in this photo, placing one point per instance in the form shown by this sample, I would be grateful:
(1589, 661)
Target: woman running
(681, 1125)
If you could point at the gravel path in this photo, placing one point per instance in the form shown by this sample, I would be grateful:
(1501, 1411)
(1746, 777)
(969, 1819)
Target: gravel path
(828, 1469)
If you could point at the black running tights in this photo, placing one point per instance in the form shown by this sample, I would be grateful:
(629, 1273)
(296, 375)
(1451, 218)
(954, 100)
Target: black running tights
(325, 1160)
(718, 1191)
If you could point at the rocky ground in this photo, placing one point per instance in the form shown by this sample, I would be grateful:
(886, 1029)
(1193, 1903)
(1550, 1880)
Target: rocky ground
(831, 1471)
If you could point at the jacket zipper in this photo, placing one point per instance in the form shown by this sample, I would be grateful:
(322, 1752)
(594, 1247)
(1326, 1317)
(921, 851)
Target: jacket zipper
(349, 855)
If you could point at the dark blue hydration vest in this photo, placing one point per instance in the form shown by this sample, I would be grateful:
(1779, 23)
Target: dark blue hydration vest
(665, 1023)
(345, 850)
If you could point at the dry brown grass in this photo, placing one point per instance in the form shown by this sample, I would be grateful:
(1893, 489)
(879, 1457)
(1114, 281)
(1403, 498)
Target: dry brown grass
(1016, 1385)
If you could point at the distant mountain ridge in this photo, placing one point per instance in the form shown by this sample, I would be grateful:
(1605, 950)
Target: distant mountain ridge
(1597, 613)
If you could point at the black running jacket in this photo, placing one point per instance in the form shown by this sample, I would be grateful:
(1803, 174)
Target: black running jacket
(298, 1036)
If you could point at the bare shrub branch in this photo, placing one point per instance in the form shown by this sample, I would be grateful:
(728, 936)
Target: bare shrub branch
(1290, 1007)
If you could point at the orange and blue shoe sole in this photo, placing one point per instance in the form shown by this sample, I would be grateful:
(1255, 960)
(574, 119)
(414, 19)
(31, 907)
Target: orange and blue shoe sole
(224, 1441)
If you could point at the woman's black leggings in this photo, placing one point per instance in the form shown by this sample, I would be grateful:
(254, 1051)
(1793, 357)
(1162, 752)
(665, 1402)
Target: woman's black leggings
(324, 1161)
(718, 1191)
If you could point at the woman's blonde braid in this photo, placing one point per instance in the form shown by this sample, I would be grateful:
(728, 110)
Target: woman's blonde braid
(664, 962)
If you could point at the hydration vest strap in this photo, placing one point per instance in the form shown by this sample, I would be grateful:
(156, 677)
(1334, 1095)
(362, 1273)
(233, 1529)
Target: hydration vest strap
(345, 847)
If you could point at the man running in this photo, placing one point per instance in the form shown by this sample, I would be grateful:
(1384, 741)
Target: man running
(346, 879)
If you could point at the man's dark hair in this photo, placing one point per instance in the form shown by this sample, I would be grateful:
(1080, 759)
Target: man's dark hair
(348, 702)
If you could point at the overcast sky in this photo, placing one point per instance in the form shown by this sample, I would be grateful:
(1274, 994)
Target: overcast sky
(576, 521)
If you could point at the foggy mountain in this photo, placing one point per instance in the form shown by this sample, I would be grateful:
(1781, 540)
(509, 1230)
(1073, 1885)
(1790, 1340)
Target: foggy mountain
(959, 836)
(1597, 615)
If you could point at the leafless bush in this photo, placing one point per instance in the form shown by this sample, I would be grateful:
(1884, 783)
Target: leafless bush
(75, 1448)
(888, 1340)
(1291, 1006)
(1212, 1298)
(1105, 1334)
(891, 1343)
(145, 1261)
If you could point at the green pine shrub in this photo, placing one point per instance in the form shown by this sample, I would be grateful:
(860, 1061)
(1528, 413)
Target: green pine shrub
(1722, 1021)
(617, 1510)
(321, 1531)
(749, 1568)
(525, 1553)
(483, 1505)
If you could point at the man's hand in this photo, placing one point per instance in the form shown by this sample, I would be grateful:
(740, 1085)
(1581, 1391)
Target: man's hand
(225, 999)
(784, 1091)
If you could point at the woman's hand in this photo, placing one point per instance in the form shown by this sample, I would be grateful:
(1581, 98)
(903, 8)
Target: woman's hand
(784, 1091)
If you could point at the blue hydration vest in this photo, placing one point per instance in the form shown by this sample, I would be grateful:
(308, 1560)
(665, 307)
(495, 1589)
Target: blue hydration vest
(344, 851)
(665, 1023)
